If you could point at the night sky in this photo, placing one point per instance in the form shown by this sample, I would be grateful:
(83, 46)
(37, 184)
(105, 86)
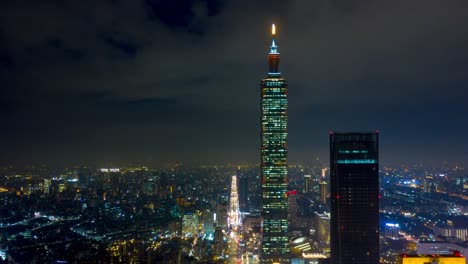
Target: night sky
(112, 82)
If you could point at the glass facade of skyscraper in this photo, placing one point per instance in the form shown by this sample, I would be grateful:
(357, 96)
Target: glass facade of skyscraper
(354, 187)
(274, 165)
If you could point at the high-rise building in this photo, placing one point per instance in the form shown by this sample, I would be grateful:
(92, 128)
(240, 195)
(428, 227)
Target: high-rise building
(392, 231)
(190, 224)
(308, 184)
(61, 187)
(323, 191)
(46, 185)
(322, 231)
(218, 242)
(274, 165)
(243, 193)
(294, 220)
(354, 185)
(208, 222)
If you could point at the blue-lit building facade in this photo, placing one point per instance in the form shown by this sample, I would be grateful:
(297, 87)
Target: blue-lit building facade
(354, 195)
(274, 165)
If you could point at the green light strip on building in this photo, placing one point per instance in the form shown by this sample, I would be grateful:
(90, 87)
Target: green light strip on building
(357, 161)
(352, 151)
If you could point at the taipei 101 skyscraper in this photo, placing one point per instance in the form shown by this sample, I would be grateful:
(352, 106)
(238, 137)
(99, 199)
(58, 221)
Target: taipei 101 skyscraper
(274, 161)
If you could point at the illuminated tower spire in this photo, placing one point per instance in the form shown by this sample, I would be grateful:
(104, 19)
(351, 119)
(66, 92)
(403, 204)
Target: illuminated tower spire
(273, 56)
(274, 162)
(273, 47)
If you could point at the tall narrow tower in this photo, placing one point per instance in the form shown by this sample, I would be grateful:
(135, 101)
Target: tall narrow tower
(274, 161)
(234, 219)
(354, 180)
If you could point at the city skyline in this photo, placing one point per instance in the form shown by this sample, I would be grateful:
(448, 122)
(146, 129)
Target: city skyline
(105, 83)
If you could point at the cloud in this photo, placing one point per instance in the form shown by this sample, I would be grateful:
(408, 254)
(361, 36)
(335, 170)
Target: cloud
(196, 62)
(188, 14)
(126, 46)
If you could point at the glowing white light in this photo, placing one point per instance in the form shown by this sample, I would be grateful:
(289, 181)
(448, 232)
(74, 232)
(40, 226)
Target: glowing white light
(273, 29)
(234, 218)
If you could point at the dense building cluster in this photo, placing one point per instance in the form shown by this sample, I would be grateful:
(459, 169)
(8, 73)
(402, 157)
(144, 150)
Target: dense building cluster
(85, 214)
(350, 211)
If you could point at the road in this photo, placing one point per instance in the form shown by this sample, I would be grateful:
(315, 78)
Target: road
(236, 256)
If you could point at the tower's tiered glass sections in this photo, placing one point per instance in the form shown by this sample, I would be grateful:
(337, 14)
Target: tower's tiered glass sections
(274, 162)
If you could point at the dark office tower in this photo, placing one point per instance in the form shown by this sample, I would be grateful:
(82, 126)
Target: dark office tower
(163, 182)
(274, 166)
(308, 186)
(354, 182)
(243, 193)
(83, 176)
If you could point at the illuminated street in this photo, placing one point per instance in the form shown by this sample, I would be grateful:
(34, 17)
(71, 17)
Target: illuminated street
(237, 250)
(239, 254)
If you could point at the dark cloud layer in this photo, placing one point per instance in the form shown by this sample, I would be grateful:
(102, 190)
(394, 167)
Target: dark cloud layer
(157, 80)
(187, 14)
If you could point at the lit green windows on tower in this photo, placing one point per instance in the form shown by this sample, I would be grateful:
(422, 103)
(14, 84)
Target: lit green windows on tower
(274, 163)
